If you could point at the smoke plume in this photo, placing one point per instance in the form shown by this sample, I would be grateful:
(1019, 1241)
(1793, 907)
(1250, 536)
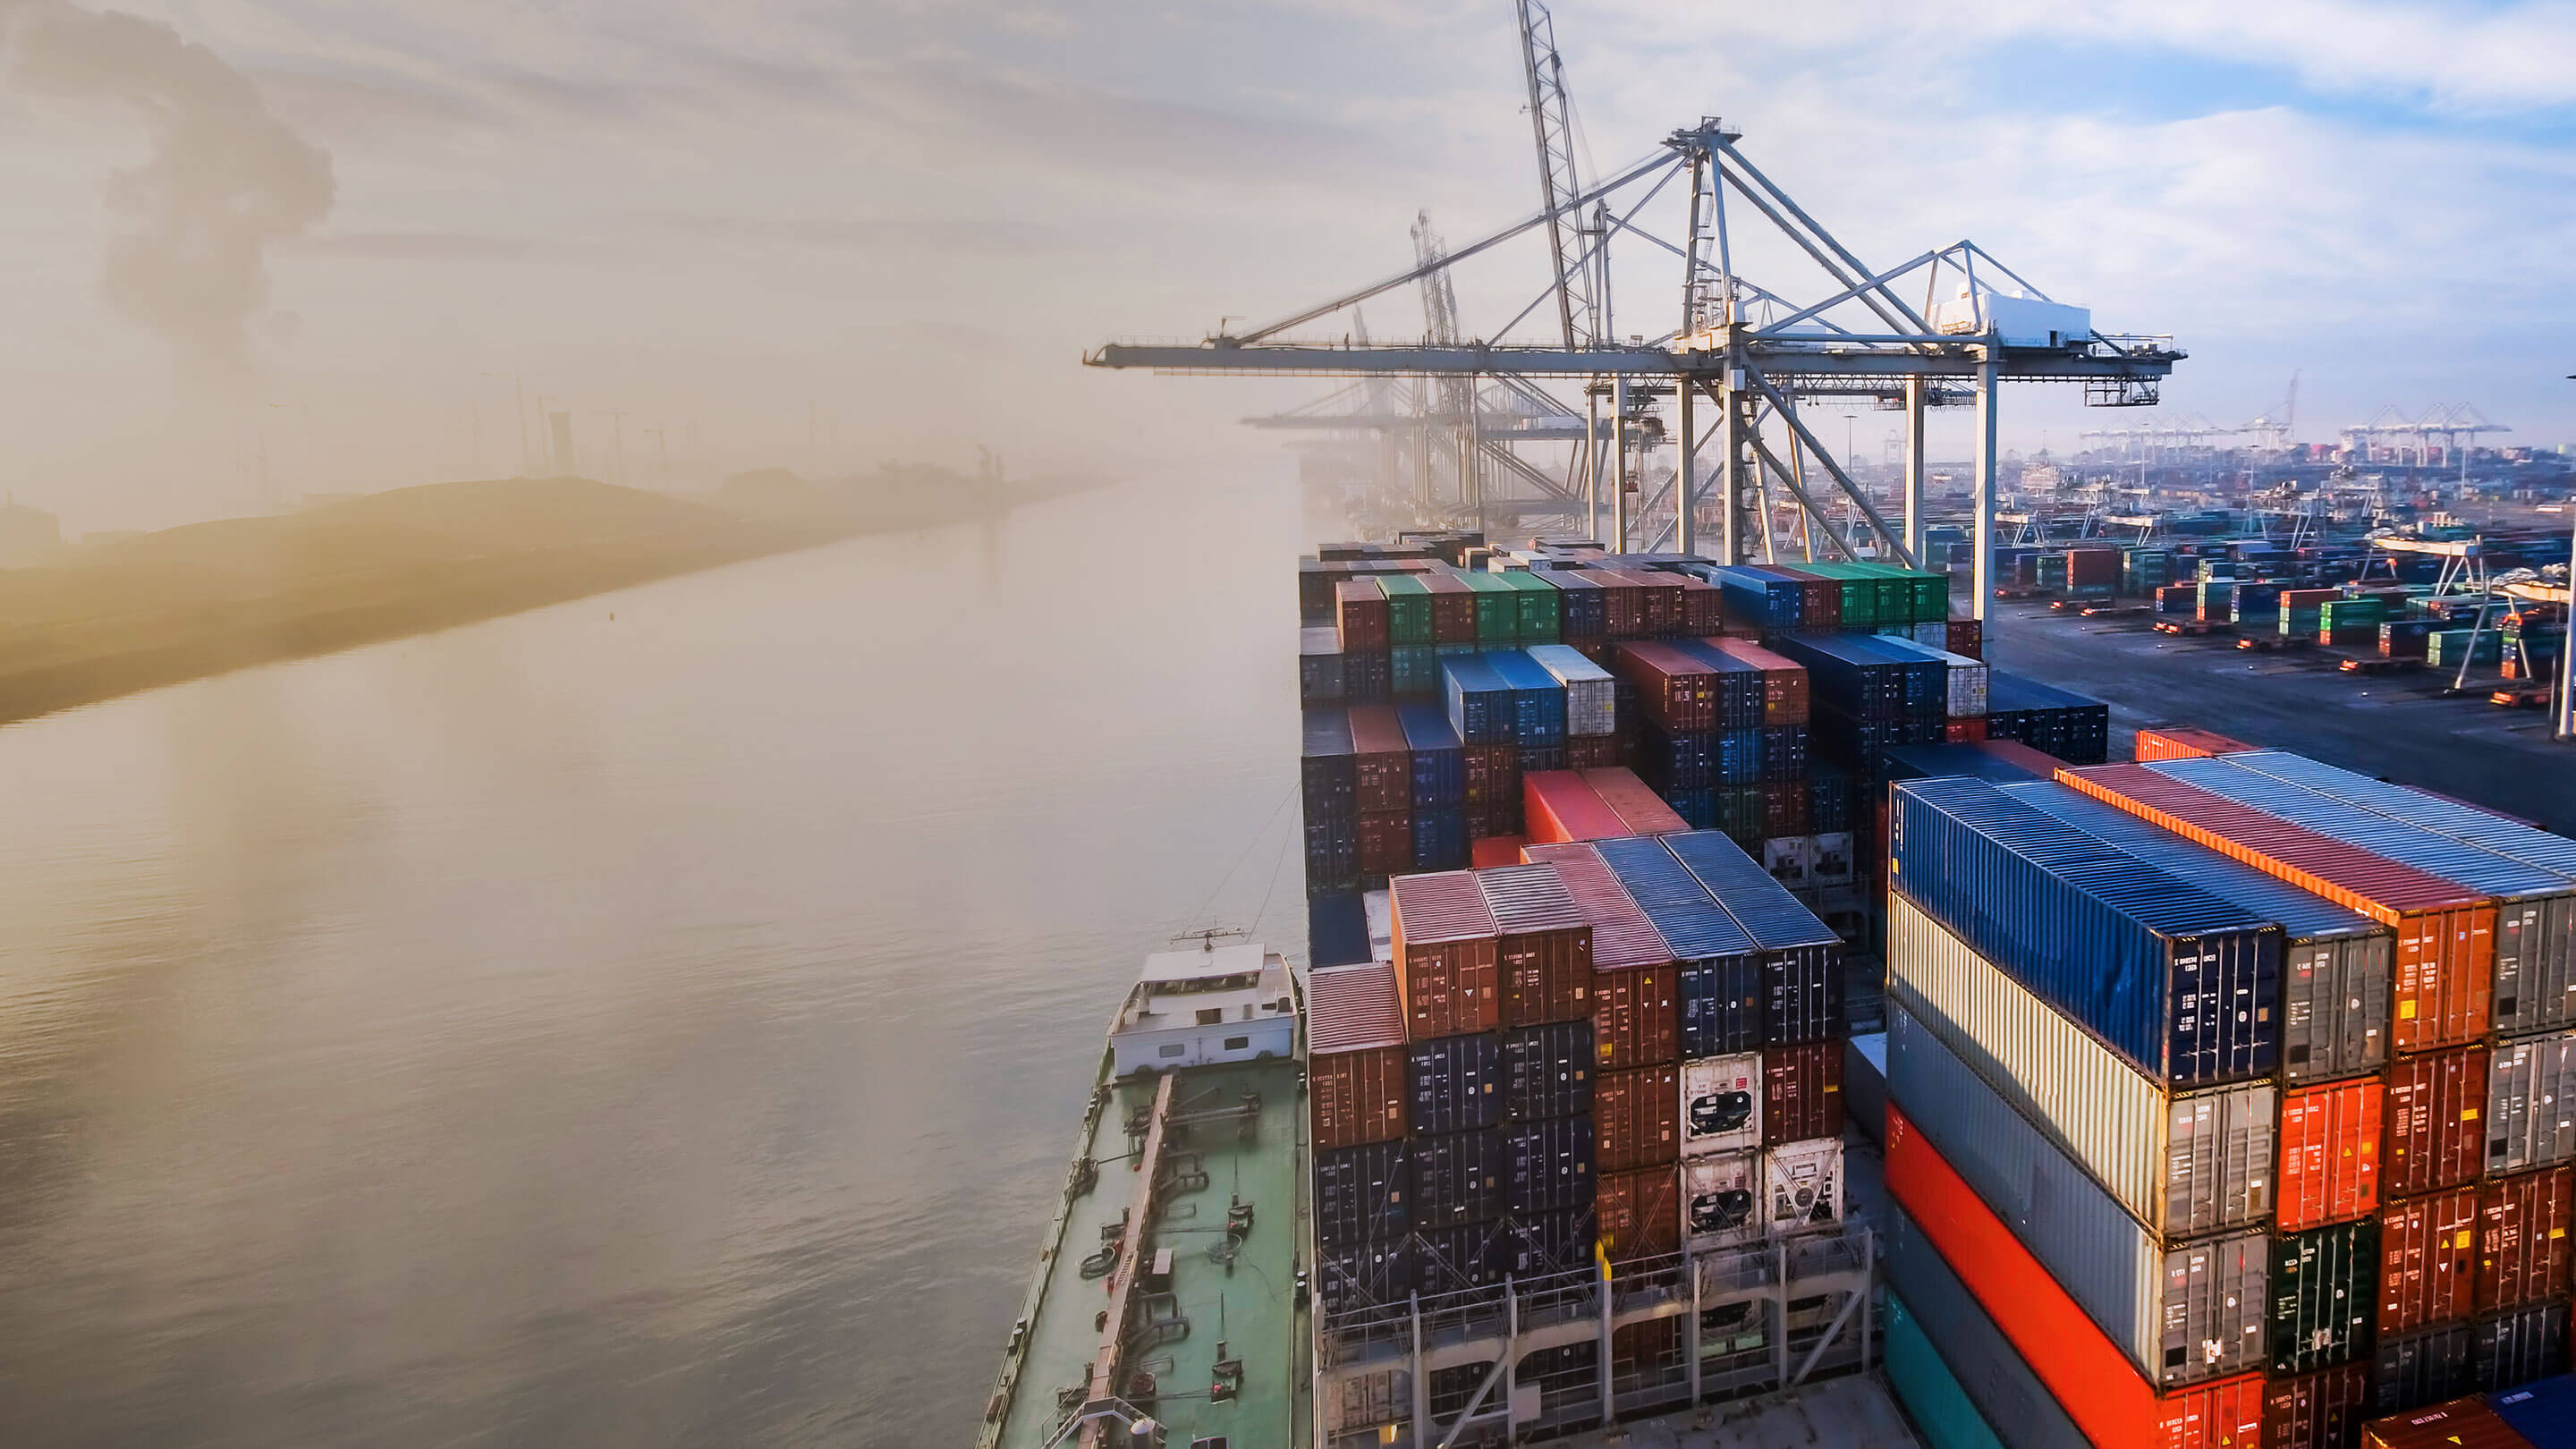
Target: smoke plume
(225, 178)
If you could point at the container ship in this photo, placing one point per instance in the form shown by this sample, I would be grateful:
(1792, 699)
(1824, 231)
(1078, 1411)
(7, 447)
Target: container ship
(1732, 1012)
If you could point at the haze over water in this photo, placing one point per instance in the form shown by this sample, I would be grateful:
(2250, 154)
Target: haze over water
(658, 1029)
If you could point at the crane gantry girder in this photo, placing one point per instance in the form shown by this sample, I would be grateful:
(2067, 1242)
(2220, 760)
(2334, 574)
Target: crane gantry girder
(1811, 371)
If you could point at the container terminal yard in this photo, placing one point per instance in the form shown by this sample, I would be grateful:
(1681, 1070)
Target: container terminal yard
(1800, 954)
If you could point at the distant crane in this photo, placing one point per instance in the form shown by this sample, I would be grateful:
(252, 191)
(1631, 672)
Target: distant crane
(2451, 424)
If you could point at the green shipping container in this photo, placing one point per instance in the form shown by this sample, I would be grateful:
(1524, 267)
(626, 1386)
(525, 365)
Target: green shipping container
(1931, 1394)
(2443, 650)
(1408, 610)
(1498, 610)
(1414, 671)
(1739, 814)
(2340, 613)
(2325, 1296)
(1542, 607)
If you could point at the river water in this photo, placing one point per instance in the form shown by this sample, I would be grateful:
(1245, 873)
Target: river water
(658, 1019)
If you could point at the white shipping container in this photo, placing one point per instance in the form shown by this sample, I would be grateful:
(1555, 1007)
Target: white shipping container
(1722, 1200)
(1791, 859)
(1722, 1104)
(1591, 695)
(2183, 1312)
(1837, 860)
(1803, 1182)
(2182, 1164)
(1380, 910)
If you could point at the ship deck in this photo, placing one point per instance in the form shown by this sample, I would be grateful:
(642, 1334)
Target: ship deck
(1244, 1310)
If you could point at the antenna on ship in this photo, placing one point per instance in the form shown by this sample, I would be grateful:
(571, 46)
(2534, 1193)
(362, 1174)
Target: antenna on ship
(1208, 938)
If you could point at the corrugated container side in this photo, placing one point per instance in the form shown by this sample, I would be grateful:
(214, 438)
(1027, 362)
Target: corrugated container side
(1785, 689)
(1445, 946)
(1355, 1068)
(2181, 742)
(1637, 1115)
(1382, 764)
(2436, 1133)
(1674, 691)
(1722, 1199)
(2427, 1261)
(1544, 956)
(1364, 1193)
(1802, 1093)
(1640, 1213)
(2321, 1410)
(1454, 1083)
(2194, 1163)
(1457, 1259)
(2084, 1370)
(2531, 1103)
(2523, 1242)
(2425, 1367)
(1722, 1104)
(2180, 1313)
(2511, 1349)
(1560, 806)
(2330, 1153)
(1549, 1166)
(1989, 1368)
(1547, 1070)
(1591, 693)
(2324, 1296)
(1641, 810)
(1365, 1274)
(1459, 1177)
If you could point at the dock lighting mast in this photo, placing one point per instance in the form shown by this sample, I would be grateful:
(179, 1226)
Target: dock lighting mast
(1953, 324)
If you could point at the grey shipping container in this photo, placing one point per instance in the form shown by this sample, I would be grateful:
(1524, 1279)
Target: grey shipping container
(2335, 962)
(2416, 1369)
(1454, 1083)
(2515, 1348)
(2181, 1163)
(1458, 1177)
(2020, 1409)
(2181, 1312)
(2531, 1103)
(2325, 1295)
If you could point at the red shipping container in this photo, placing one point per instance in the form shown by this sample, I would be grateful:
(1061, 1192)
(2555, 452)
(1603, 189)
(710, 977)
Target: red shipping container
(2436, 1138)
(1674, 690)
(1968, 637)
(2041, 764)
(1623, 603)
(2459, 1424)
(2088, 1375)
(1639, 1214)
(1638, 807)
(1487, 852)
(2427, 1260)
(1445, 942)
(1385, 842)
(1381, 761)
(2445, 934)
(1557, 806)
(1636, 1011)
(1636, 1117)
(2085, 566)
(1784, 681)
(2330, 1153)
(1543, 958)
(2182, 742)
(1493, 774)
(1359, 615)
(1703, 607)
(2522, 1238)
(1662, 593)
(1354, 1056)
(1969, 730)
(2321, 1410)
(1499, 819)
(1453, 609)
(1592, 752)
(1802, 1093)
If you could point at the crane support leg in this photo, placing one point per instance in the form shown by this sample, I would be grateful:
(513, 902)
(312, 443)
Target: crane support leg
(1988, 455)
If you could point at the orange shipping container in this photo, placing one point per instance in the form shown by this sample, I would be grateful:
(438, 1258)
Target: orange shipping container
(1543, 958)
(2182, 742)
(1354, 1056)
(1636, 1117)
(2330, 1153)
(1445, 943)
(1639, 808)
(2427, 1260)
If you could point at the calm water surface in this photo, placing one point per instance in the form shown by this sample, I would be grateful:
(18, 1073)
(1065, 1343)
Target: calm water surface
(665, 1028)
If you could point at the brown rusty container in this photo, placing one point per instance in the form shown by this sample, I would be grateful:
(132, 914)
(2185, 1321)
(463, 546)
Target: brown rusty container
(1674, 690)
(1636, 1117)
(1354, 1056)
(1592, 752)
(1802, 1093)
(1494, 776)
(1623, 603)
(1636, 1008)
(2321, 1410)
(1453, 609)
(1703, 608)
(2436, 1121)
(2445, 933)
(1784, 681)
(2459, 1424)
(1359, 615)
(1445, 971)
(1544, 956)
(1381, 761)
(2523, 1243)
(1664, 605)
(2330, 1140)
(1385, 842)
(1967, 637)
(2427, 1260)
(1640, 1213)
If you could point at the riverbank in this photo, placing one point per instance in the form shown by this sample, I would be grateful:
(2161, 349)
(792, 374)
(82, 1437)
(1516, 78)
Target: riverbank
(163, 608)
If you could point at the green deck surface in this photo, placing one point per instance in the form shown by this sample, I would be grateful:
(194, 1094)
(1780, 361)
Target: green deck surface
(1249, 1307)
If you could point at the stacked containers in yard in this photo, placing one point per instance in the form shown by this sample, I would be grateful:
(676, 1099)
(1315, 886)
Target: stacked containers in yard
(1666, 608)
(1453, 609)
(1382, 773)
(2444, 934)
(2320, 1410)
(2531, 1103)
(2427, 1261)
(1759, 601)
(1964, 636)
(1439, 787)
(1639, 1213)
(1583, 605)
(1544, 946)
(1458, 1178)
(1640, 809)
(1359, 616)
(2181, 742)
(2324, 1284)
(1538, 701)
(1802, 1093)
(1854, 600)
(1623, 604)
(1408, 632)
(1635, 1009)
(2435, 1117)
(1590, 692)
(1802, 958)
(1319, 667)
(1363, 1193)
(2184, 985)
(1992, 1373)
(1453, 1084)
(1560, 805)
(1542, 617)
(1703, 607)
(2535, 922)
(2336, 963)
(1444, 941)
(2523, 1254)
(2181, 1311)
(1355, 1057)
(1742, 686)
(1498, 611)
(1328, 780)
(1636, 1115)
(2515, 1348)
(2057, 721)
(1720, 979)
(1549, 1166)
(2330, 1137)
(2085, 1372)
(1675, 691)
(1786, 695)
(2421, 1368)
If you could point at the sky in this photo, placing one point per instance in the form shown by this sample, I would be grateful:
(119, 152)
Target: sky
(264, 249)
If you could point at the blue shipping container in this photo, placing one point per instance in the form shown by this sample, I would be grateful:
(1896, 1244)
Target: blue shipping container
(1720, 969)
(1538, 699)
(1480, 703)
(1337, 930)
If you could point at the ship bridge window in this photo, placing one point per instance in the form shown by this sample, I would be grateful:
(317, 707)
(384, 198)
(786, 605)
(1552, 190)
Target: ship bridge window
(1211, 1015)
(1237, 1043)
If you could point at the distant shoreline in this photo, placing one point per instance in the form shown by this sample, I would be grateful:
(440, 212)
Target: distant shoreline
(108, 657)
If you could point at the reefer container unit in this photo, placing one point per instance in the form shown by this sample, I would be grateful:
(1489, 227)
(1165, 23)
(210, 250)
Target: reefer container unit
(1548, 1166)
(2085, 1372)
(2523, 1243)
(1363, 1193)
(1355, 1057)
(1547, 1070)
(1544, 954)
(2181, 1313)
(1637, 1117)
(2336, 963)
(1591, 693)
(1722, 1104)
(2445, 935)
(1454, 1083)
(2324, 1296)
(1722, 1199)
(2321, 1410)
(2427, 1261)
(1639, 1213)
(1785, 688)
(1558, 806)
(2330, 1153)
(1802, 1093)
(1803, 1182)
(2184, 985)
(1635, 1015)
(1638, 808)
(2182, 1163)
(1720, 985)
(1992, 1372)
(2509, 1350)
(2531, 1102)
(1802, 958)
(2534, 960)
(2436, 1111)
(1445, 949)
